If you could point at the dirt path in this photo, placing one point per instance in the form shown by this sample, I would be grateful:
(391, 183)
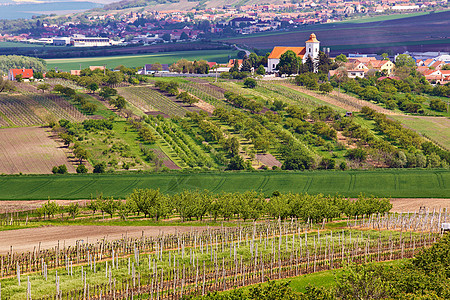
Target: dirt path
(23, 240)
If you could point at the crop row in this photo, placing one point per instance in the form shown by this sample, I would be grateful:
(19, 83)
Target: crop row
(186, 148)
(289, 95)
(139, 102)
(18, 112)
(59, 107)
(223, 257)
(158, 101)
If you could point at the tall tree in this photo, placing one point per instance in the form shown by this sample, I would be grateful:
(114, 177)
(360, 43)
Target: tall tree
(310, 64)
(289, 63)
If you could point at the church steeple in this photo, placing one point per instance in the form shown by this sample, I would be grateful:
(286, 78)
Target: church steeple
(312, 48)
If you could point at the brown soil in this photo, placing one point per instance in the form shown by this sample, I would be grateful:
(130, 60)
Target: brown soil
(268, 160)
(14, 206)
(167, 162)
(30, 150)
(414, 204)
(23, 240)
(347, 142)
(205, 106)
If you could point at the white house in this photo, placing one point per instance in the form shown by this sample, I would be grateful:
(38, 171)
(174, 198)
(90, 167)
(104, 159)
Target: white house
(311, 48)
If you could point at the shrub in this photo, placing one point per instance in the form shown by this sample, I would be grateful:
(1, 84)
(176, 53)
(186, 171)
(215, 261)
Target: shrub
(250, 83)
(99, 167)
(62, 169)
(81, 169)
(358, 154)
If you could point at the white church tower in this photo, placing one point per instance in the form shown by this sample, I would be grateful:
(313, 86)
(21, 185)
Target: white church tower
(312, 48)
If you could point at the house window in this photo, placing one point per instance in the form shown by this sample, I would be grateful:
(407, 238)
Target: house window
(309, 49)
(273, 66)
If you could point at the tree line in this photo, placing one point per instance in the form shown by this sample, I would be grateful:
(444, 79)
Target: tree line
(18, 62)
(251, 205)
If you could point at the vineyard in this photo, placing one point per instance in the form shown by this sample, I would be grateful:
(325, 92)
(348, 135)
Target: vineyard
(15, 109)
(288, 95)
(174, 266)
(149, 98)
(182, 144)
(35, 109)
(205, 91)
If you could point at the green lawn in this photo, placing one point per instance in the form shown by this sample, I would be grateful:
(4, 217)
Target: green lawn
(67, 64)
(381, 183)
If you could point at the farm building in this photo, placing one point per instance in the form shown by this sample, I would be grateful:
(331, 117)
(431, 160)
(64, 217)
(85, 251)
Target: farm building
(153, 68)
(312, 46)
(26, 73)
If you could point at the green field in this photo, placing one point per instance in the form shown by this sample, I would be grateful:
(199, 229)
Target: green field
(381, 183)
(435, 128)
(21, 45)
(387, 17)
(67, 64)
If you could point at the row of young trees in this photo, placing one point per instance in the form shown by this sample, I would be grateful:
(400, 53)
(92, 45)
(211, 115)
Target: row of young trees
(249, 205)
(405, 92)
(243, 102)
(100, 77)
(408, 139)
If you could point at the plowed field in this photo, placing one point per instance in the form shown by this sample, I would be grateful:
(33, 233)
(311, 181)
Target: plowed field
(30, 151)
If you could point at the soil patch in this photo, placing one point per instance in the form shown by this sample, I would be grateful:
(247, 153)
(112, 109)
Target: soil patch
(30, 151)
(268, 160)
(414, 204)
(23, 240)
(167, 162)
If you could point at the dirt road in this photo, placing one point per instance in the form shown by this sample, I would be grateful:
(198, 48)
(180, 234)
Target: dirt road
(23, 240)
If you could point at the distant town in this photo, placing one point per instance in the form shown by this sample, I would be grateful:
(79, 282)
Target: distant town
(145, 26)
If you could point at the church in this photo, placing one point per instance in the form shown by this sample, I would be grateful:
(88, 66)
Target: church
(311, 48)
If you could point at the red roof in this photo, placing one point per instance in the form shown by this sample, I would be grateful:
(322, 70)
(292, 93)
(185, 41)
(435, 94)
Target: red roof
(26, 73)
(278, 51)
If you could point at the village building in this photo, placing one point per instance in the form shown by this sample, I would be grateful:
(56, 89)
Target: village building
(312, 46)
(82, 41)
(26, 73)
(153, 68)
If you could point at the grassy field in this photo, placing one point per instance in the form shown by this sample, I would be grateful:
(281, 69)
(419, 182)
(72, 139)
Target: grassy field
(381, 183)
(21, 45)
(435, 128)
(386, 17)
(68, 64)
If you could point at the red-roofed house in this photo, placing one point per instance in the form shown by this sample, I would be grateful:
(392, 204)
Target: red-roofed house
(231, 63)
(211, 64)
(26, 73)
